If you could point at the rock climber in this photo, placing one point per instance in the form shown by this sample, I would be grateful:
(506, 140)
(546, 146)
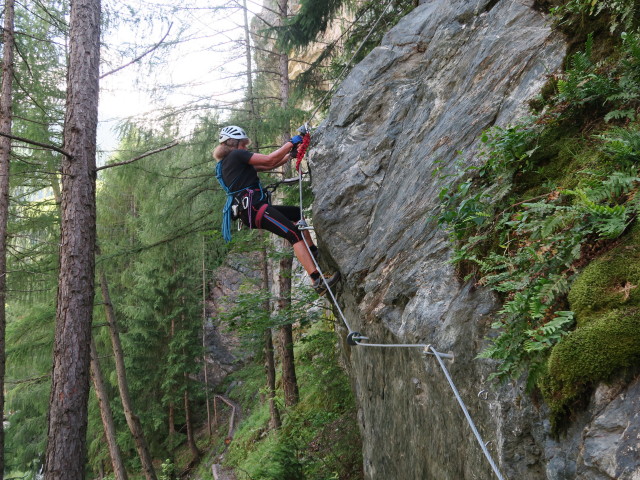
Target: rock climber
(237, 171)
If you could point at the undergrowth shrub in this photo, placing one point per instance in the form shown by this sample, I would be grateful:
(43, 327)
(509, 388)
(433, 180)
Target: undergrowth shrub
(319, 438)
(622, 14)
(557, 209)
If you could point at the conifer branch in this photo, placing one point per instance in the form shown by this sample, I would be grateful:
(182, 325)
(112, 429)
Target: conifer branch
(139, 57)
(37, 144)
(140, 157)
(28, 380)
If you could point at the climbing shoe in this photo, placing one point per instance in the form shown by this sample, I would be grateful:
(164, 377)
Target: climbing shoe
(320, 285)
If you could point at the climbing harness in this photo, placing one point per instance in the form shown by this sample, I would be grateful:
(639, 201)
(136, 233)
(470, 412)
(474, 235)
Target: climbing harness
(235, 205)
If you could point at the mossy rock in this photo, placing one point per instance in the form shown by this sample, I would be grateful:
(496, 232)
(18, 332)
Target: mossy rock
(596, 352)
(609, 282)
(606, 301)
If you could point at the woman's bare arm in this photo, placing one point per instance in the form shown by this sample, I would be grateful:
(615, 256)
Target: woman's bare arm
(275, 159)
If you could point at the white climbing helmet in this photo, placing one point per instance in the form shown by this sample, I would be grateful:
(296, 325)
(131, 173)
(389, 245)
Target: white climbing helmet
(232, 131)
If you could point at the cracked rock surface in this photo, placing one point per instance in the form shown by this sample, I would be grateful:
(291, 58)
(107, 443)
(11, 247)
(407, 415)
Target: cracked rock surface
(405, 116)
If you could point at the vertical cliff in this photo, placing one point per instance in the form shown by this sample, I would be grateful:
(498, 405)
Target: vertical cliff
(419, 103)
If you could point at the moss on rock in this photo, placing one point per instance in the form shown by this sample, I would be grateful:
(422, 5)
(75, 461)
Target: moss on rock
(610, 282)
(606, 301)
(594, 353)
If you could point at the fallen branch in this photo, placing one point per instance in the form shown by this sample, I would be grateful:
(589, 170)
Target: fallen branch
(28, 380)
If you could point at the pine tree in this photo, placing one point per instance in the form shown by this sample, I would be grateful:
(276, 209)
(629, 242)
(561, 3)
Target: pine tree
(66, 445)
(106, 414)
(6, 117)
(133, 421)
(152, 215)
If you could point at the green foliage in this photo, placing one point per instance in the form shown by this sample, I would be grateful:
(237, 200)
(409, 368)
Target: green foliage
(508, 149)
(610, 87)
(464, 212)
(622, 144)
(29, 346)
(531, 250)
(167, 470)
(622, 14)
(310, 21)
(319, 439)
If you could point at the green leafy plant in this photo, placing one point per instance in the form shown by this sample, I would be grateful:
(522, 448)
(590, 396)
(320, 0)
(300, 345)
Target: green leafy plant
(531, 251)
(622, 13)
(508, 148)
(535, 261)
(464, 212)
(622, 144)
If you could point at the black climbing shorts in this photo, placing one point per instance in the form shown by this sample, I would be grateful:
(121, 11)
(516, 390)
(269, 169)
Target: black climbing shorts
(278, 219)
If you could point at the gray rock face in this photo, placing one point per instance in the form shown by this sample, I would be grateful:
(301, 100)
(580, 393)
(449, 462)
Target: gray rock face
(419, 103)
(223, 353)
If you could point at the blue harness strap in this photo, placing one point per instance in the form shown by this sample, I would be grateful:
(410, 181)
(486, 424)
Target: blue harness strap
(226, 210)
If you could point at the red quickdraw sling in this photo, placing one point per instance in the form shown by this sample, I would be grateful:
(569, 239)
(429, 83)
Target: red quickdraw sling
(302, 150)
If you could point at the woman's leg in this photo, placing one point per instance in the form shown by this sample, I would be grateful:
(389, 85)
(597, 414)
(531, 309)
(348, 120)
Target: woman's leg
(293, 214)
(275, 220)
(304, 257)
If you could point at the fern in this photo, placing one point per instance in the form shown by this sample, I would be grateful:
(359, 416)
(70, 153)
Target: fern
(548, 334)
(623, 144)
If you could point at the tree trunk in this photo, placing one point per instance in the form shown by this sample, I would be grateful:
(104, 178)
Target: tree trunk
(172, 407)
(172, 420)
(6, 117)
(204, 335)
(66, 447)
(284, 66)
(270, 363)
(132, 419)
(191, 440)
(107, 417)
(251, 101)
(270, 368)
(289, 380)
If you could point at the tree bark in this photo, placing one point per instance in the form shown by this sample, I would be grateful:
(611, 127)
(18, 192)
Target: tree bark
(269, 363)
(172, 407)
(289, 380)
(172, 420)
(270, 368)
(250, 98)
(133, 421)
(66, 447)
(191, 440)
(6, 118)
(107, 417)
(204, 336)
